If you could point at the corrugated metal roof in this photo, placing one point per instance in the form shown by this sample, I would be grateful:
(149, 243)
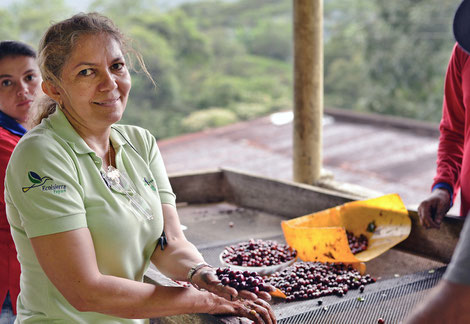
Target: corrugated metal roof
(380, 153)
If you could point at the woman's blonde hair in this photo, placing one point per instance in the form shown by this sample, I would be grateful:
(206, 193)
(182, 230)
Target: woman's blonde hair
(59, 41)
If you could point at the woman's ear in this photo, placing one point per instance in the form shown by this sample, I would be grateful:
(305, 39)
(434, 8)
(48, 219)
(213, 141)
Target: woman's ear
(51, 90)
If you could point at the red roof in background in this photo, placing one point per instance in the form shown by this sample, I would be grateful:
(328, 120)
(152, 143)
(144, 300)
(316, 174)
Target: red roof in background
(380, 153)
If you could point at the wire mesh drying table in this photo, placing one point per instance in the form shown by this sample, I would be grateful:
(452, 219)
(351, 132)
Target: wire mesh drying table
(403, 278)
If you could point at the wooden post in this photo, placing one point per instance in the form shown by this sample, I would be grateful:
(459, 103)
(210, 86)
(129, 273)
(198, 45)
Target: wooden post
(308, 90)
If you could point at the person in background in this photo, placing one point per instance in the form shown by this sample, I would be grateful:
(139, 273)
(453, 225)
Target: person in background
(90, 204)
(453, 156)
(449, 301)
(20, 81)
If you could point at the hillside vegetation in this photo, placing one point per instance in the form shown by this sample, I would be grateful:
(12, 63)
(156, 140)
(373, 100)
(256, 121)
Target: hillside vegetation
(218, 62)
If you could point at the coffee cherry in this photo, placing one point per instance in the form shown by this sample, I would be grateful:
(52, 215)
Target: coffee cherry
(308, 280)
(258, 253)
(239, 280)
(357, 243)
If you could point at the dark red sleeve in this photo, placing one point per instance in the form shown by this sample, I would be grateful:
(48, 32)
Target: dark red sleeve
(9, 265)
(8, 142)
(452, 125)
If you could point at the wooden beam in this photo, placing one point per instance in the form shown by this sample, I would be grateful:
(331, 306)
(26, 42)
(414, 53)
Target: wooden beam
(308, 90)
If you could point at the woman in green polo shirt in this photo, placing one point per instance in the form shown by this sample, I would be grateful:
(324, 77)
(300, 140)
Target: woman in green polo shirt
(88, 200)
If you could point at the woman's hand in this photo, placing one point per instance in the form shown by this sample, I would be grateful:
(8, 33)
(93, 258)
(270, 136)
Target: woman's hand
(206, 278)
(258, 310)
(432, 210)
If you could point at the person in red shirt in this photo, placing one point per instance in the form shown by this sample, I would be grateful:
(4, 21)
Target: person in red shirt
(453, 156)
(20, 82)
(448, 301)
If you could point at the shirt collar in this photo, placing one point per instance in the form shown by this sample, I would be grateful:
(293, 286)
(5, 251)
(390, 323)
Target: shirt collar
(64, 129)
(11, 125)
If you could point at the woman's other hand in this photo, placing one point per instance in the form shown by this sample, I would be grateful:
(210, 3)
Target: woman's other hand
(206, 278)
(258, 310)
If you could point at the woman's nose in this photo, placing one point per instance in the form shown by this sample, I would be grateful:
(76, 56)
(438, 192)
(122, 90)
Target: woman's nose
(108, 82)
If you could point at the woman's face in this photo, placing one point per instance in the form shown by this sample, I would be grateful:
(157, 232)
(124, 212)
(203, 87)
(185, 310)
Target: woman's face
(20, 82)
(95, 83)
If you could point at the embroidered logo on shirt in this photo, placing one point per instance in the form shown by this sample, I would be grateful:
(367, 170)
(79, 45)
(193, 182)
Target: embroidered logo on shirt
(36, 179)
(150, 184)
(39, 181)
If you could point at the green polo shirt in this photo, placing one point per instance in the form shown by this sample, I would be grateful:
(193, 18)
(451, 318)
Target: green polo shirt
(53, 184)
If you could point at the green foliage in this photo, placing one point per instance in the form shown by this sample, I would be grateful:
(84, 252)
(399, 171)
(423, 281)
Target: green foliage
(26, 20)
(208, 118)
(269, 39)
(379, 56)
(388, 57)
(248, 110)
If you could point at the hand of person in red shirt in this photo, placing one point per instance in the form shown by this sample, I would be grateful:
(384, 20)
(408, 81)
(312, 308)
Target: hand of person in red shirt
(432, 210)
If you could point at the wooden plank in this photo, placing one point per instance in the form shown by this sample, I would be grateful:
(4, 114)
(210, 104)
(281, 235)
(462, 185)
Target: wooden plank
(198, 187)
(435, 244)
(290, 199)
(284, 198)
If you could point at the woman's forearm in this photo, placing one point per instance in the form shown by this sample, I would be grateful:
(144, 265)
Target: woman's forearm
(177, 259)
(179, 255)
(69, 261)
(130, 299)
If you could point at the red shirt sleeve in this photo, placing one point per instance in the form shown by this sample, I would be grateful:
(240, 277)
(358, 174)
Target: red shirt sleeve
(452, 125)
(8, 142)
(9, 265)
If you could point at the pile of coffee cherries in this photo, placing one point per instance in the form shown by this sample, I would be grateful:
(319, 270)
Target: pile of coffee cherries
(258, 253)
(357, 243)
(310, 280)
(242, 280)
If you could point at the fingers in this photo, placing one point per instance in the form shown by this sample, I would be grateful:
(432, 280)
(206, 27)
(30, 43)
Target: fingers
(268, 308)
(264, 295)
(245, 294)
(441, 212)
(226, 292)
(432, 210)
(259, 312)
(425, 212)
(208, 280)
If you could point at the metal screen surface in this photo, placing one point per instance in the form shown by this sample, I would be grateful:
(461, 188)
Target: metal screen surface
(403, 279)
(392, 304)
(390, 299)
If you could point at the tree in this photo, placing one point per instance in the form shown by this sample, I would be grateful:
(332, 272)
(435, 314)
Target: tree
(408, 47)
(27, 20)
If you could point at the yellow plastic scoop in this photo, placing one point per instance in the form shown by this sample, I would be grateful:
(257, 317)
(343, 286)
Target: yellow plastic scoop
(322, 236)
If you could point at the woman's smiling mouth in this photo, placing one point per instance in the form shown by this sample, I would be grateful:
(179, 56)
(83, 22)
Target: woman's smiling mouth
(107, 102)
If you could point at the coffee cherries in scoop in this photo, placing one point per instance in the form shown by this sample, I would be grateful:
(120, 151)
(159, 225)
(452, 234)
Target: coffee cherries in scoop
(242, 280)
(357, 243)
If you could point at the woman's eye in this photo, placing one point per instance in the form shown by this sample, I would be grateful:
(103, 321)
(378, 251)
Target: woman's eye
(117, 66)
(6, 83)
(85, 72)
(30, 77)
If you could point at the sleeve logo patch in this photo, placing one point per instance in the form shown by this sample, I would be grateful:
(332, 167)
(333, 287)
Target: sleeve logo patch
(38, 181)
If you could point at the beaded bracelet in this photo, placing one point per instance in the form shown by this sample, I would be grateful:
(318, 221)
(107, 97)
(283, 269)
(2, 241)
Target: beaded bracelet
(194, 269)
